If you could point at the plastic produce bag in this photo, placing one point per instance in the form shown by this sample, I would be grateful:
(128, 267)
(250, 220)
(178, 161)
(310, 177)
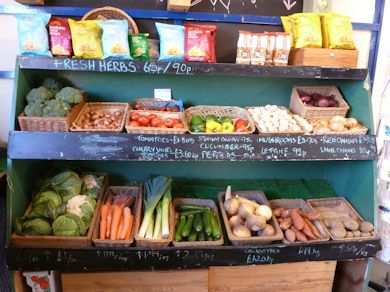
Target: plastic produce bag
(86, 39)
(139, 46)
(171, 42)
(32, 32)
(114, 39)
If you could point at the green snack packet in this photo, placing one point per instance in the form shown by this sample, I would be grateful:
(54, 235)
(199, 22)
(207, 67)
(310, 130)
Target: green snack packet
(139, 48)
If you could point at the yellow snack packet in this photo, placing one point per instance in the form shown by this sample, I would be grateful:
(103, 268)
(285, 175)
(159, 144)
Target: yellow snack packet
(288, 26)
(307, 30)
(338, 31)
(86, 39)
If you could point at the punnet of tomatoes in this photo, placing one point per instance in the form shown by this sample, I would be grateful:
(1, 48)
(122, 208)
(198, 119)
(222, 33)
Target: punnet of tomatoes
(154, 120)
(142, 107)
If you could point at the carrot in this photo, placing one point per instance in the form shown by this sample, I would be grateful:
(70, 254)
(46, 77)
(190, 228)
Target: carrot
(126, 221)
(297, 219)
(299, 235)
(103, 221)
(120, 227)
(109, 221)
(131, 220)
(307, 231)
(314, 229)
(116, 217)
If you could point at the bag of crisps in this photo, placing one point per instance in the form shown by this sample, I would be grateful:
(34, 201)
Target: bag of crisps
(154, 51)
(288, 26)
(86, 39)
(32, 32)
(200, 43)
(60, 37)
(139, 46)
(114, 38)
(171, 42)
(337, 31)
(307, 30)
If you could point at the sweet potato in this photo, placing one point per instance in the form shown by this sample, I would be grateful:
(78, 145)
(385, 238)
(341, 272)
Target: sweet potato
(314, 229)
(285, 213)
(290, 235)
(307, 231)
(278, 212)
(298, 234)
(297, 219)
(285, 223)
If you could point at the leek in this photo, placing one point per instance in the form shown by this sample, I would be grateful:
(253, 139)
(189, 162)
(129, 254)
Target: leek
(157, 223)
(165, 213)
(153, 189)
(149, 231)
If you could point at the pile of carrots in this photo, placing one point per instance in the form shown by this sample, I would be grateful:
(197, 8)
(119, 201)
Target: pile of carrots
(116, 220)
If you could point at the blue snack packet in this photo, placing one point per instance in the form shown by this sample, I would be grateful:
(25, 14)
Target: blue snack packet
(171, 42)
(115, 39)
(33, 36)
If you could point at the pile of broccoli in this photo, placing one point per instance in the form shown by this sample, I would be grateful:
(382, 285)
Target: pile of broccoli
(51, 99)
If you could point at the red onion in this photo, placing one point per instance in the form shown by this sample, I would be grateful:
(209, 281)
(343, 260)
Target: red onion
(323, 102)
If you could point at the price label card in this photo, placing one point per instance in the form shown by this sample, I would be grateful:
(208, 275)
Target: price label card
(163, 94)
(384, 172)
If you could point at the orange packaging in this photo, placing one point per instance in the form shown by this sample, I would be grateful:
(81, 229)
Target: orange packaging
(244, 48)
(259, 45)
(282, 48)
(200, 41)
(270, 48)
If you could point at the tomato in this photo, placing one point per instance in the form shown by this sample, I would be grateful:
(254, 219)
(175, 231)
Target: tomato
(134, 124)
(175, 108)
(240, 122)
(169, 122)
(162, 126)
(240, 129)
(155, 122)
(152, 116)
(178, 126)
(175, 121)
(144, 121)
(134, 116)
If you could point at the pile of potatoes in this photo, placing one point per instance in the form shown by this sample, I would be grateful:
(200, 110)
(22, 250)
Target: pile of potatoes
(297, 225)
(100, 119)
(349, 228)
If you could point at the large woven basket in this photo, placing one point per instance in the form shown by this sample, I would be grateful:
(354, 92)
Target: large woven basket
(155, 130)
(49, 124)
(203, 203)
(149, 102)
(301, 204)
(258, 197)
(107, 106)
(233, 112)
(342, 203)
(108, 12)
(358, 131)
(313, 112)
(116, 190)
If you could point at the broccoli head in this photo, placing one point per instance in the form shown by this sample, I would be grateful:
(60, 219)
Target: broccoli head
(52, 84)
(56, 108)
(34, 109)
(70, 95)
(40, 93)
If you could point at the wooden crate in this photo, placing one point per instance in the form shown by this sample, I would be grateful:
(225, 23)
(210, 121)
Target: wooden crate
(179, 5)
(323, 57)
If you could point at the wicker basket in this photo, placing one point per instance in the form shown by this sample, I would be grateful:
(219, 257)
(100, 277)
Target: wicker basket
(108, 12)
(203, 203)
(233, 112)
(312, 112)
(360, 131)
(344, 205)
(260, 198)
(301, 204)
(155, 130)
(130, 191)
(49, 124)
(271, 133)
(151, 243)
(52, 241)
(107, 106)
(149, 102)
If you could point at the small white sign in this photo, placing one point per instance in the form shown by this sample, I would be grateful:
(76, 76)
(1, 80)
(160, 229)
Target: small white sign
(163, 94)
(384, 172)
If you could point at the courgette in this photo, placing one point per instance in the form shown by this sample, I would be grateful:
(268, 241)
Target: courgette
(193, 235)
(214, 226)
(186, 207)
(188, 226)
(209, 237)
(179, 230)
(198, 223)
(191, 212)
(201, 236)
(206, 222)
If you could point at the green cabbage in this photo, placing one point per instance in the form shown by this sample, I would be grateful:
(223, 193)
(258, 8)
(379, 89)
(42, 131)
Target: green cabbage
(36, 226)
(69, 225)
(92, 185)
(47, 204)
(67, 184)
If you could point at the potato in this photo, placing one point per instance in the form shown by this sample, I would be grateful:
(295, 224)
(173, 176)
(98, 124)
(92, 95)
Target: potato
(349, 234)
(278, 212)
(290, 235)
(267, 231)
(366, 234)
(351, 224)
(335, 223)
(285, 213)
(366, 226)
(338, 232)
(326, 222)
(356, 233)
(373, 233)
